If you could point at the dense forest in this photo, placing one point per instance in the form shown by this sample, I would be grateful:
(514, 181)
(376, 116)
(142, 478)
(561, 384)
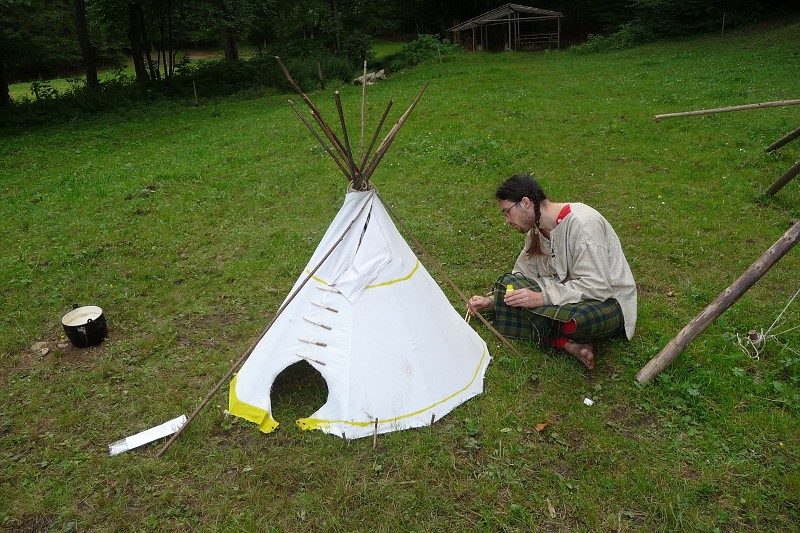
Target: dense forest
(44, 38)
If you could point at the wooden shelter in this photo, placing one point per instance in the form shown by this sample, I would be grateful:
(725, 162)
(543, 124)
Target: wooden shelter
(510, 27)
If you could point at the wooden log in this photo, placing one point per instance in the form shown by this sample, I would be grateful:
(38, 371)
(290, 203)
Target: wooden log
(786, 139)
(730, 108)
(727, 298)
(783, 180)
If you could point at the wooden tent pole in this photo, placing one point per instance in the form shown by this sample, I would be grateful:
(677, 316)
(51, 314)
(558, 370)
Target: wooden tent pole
(356, 173)
(363, 111)
(314, 110)
(252, 347)
(727, 298)
(366, 173)
(321, 141)
(375, 136)
(786, 139)
(447, 279)
(783, 180)
(730, 108)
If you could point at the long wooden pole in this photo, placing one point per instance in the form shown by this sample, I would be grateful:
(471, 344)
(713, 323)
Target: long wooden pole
(783, 180)
(447, 279)
(321, 141)
(314, 111)
(786, 139)
(387, 141)
(730, 108)
(252, 347)
(727, 298)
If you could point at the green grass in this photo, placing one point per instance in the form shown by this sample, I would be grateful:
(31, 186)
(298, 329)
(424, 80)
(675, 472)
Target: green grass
(189, 226)
(384, 49)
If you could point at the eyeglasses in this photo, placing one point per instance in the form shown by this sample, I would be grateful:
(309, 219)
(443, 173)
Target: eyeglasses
(507, 210)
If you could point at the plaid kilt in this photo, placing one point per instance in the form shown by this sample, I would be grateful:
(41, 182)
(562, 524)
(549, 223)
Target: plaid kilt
(594, 320)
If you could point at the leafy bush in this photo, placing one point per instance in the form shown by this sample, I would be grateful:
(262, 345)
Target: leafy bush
(628, 35)
(423, 48)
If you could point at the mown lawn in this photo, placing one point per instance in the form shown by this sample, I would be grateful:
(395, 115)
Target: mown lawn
(190, 225)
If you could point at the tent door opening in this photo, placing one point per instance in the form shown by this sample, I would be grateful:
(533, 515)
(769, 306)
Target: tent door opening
(297, 392)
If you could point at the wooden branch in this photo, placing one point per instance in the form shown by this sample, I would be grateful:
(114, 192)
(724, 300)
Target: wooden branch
(252, 347)
(731, 108)
(727, 298)
(447, 279)
(348, 151)
(314, 111)
(783, 180)
(321, 141)
(387, 141)
(786, 139)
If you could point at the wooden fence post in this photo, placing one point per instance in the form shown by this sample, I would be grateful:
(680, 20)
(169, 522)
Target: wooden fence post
(674, 348)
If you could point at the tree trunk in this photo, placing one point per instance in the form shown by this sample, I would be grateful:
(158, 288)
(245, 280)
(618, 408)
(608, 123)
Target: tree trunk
(5, 98)
(336, 25)
(87, 49)
(135, 37)
(155, 72)
(229, 44)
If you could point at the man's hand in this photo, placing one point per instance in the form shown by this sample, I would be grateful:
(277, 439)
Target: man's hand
(479, 303)
(524, 298)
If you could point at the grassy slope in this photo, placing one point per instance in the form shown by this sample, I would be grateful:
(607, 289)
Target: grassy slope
(188, 225)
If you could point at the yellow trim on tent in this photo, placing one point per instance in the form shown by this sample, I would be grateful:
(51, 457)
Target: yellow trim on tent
(381, 284)
(249, 412)
(317, 423)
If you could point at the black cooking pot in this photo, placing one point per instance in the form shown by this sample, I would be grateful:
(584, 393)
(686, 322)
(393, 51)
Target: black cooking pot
(85, 326)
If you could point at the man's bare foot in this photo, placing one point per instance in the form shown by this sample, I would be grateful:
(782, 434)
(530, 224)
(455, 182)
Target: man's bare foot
(582, 352)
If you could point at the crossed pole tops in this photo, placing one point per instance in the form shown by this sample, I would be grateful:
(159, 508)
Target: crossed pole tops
(357, 170)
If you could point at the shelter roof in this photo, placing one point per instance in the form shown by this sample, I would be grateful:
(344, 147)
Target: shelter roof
(503, 13)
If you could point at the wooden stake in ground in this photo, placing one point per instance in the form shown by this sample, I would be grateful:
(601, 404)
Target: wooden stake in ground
(730, 108)
(672, 350)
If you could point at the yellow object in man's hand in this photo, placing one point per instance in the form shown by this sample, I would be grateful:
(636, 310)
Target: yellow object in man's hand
(509, 288)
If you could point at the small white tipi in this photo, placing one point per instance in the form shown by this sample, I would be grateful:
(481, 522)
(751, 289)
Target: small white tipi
(377, 327)
(366, 314)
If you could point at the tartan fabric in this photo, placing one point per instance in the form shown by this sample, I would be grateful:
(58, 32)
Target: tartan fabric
(593, 320)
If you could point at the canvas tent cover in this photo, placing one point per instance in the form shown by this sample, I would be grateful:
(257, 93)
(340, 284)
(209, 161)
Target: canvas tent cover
(377, 327)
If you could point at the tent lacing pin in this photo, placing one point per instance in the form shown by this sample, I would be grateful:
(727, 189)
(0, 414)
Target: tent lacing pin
(329, 289)
(325, 307)
(315, 343)
(320, 324)
(307, 358)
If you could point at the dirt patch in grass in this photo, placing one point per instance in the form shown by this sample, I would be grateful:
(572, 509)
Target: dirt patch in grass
(53, 349)
(204, 331)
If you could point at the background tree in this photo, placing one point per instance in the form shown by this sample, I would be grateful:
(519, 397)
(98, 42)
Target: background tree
(88, 50)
